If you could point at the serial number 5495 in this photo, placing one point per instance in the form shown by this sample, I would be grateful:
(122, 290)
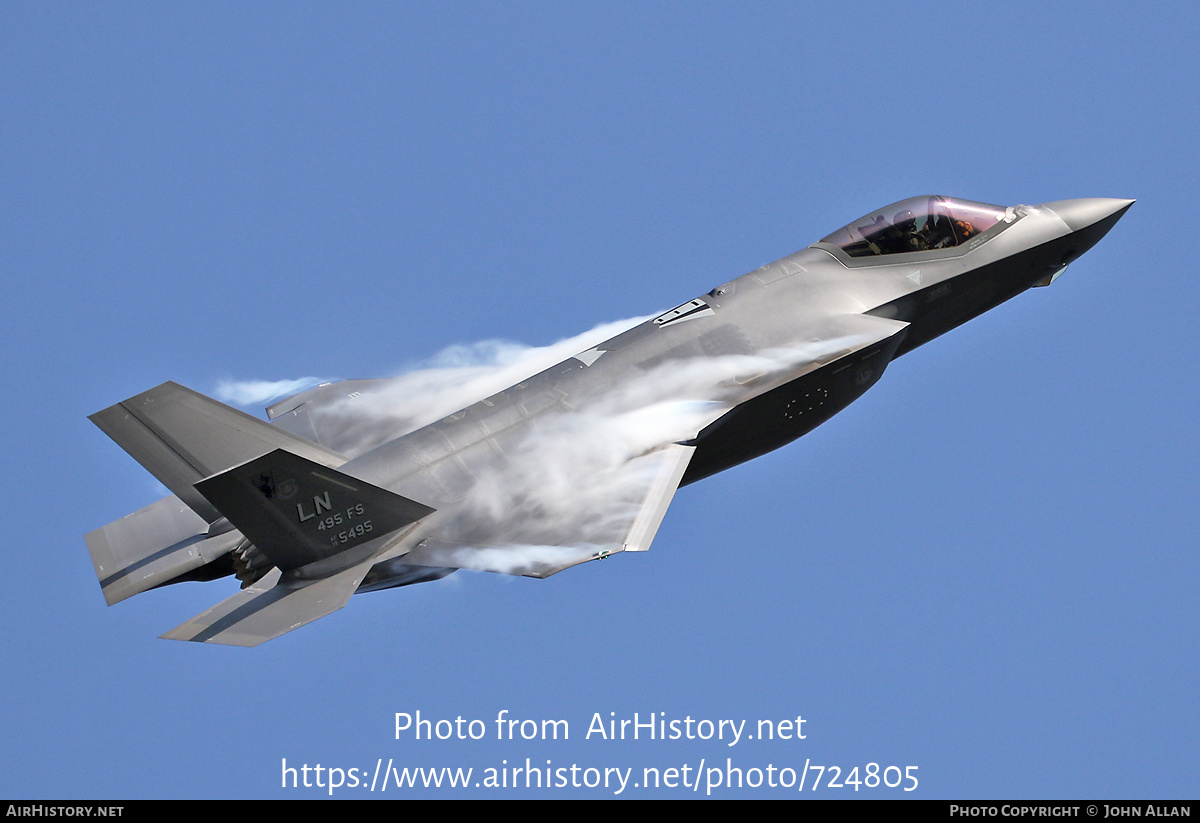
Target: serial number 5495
(358, 530)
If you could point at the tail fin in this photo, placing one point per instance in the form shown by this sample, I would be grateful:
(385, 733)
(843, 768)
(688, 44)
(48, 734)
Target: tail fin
(322, 529)
(182, 437)
(297, 512)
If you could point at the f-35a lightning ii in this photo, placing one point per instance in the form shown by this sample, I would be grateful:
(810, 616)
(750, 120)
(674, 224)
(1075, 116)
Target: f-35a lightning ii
(571, 464)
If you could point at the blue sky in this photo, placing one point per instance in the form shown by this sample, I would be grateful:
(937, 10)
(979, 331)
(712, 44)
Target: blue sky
(985, 568)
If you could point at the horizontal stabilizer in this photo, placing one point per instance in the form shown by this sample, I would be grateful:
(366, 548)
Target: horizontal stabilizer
(270, 608)
(297, 512)
(181, 437)
(153, 546)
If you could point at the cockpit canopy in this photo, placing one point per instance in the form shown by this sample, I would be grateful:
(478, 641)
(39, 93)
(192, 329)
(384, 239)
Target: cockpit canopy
(917, 224)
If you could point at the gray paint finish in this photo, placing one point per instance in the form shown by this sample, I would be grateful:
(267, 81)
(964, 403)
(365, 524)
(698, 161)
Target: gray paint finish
(575, 463)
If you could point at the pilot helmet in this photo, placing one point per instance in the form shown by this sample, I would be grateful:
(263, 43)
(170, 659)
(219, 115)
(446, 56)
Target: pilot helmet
(905, 220)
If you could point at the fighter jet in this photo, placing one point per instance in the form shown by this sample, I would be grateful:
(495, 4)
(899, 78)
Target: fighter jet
(577, 462)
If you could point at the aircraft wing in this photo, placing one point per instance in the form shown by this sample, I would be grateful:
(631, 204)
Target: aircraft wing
(561, 497)
(530, 500)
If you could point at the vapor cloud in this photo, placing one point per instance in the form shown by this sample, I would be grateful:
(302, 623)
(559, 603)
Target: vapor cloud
(456, 377)
(574, 483)
(258, 392)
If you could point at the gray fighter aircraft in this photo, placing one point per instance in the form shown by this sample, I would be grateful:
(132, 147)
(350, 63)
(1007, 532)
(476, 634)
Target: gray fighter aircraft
(571, 464)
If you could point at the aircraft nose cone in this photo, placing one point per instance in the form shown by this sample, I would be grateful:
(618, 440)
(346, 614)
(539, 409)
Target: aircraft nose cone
(1089, 220)
(1082, 214)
